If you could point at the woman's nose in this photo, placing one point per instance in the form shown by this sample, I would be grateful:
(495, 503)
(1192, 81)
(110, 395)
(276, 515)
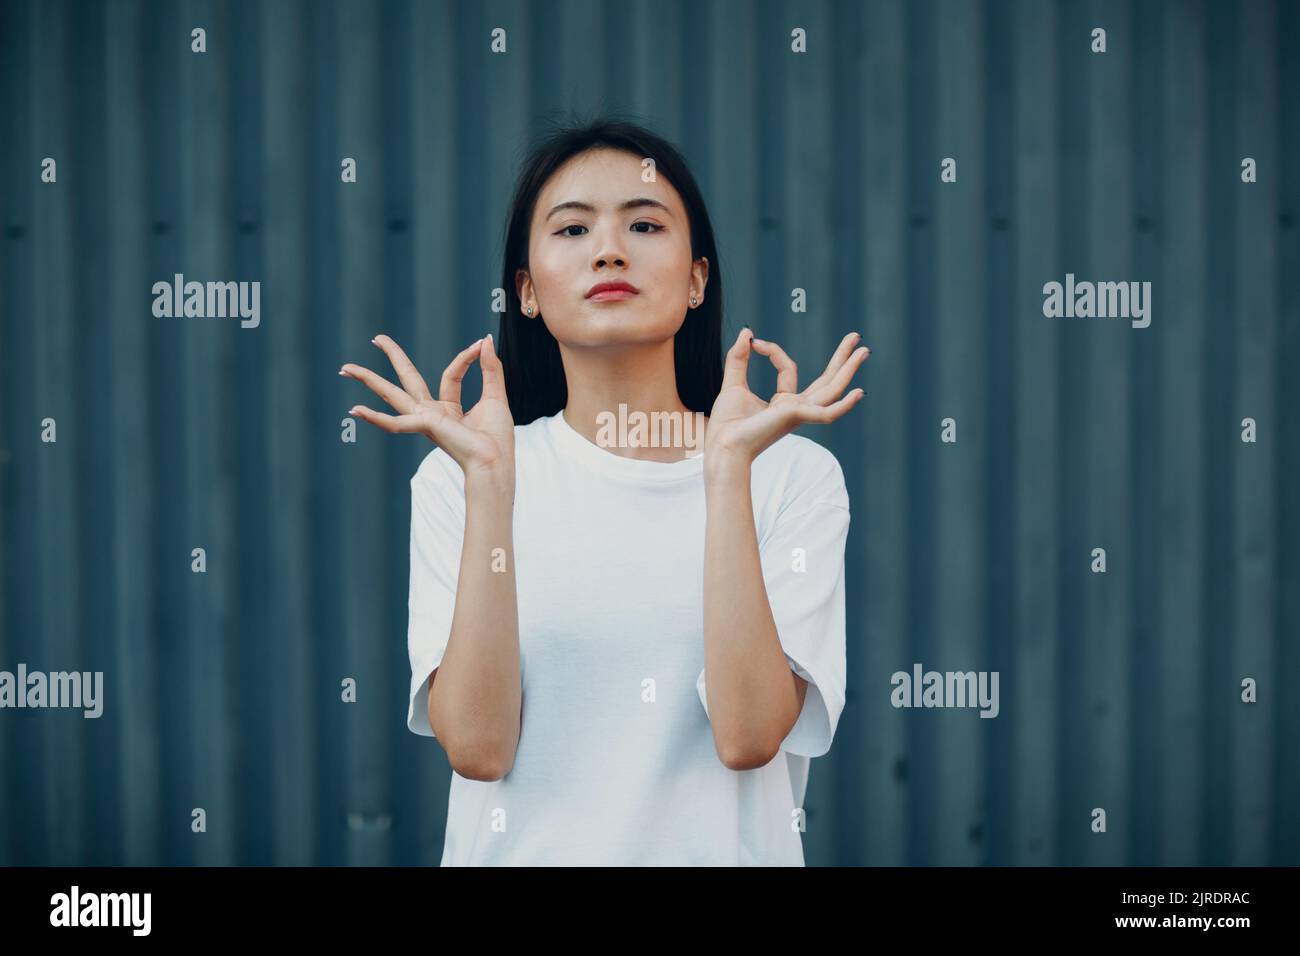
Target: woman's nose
(609, 252)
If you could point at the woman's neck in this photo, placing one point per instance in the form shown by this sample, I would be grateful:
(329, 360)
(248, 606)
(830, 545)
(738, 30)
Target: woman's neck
(605, 388)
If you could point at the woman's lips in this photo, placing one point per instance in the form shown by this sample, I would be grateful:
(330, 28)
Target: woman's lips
(611, 295)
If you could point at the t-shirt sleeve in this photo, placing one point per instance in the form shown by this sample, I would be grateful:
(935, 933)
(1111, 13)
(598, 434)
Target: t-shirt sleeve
(803, 569)
(437, 535)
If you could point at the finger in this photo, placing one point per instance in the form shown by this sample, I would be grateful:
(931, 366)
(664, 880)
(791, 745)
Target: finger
(825, 414)
(787, 373)
(736, 369)
(831, 390)
(839, 358)
(389, 423)
(449, 387)
(411, 379)
(381, 386)
(494, 373)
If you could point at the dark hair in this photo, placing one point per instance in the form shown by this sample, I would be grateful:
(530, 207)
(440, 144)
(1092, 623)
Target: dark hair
(535, 383)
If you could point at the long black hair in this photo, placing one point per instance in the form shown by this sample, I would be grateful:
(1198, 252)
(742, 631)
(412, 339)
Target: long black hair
(535, 384)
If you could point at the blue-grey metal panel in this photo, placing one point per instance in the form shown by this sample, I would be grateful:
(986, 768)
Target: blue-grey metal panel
(1118, 691)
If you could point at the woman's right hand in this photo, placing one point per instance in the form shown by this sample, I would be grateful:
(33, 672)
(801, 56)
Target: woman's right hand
(482, 440)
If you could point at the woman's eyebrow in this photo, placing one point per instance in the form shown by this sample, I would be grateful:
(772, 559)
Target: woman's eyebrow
(587, 207)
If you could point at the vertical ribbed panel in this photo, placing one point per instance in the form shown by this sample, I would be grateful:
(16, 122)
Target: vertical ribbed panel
(1118, 691)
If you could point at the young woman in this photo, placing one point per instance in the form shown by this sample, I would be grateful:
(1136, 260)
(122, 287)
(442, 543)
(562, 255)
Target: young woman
(628, 652)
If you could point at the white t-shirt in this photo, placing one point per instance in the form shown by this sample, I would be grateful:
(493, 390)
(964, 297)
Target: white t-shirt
(616, 763)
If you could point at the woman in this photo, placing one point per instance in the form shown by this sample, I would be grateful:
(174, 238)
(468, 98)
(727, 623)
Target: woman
(569, 599)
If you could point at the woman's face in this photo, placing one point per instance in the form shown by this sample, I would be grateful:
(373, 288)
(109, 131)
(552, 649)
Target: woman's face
(601, 239)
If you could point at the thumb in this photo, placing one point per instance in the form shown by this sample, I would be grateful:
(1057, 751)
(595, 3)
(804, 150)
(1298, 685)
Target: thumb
(736, 369)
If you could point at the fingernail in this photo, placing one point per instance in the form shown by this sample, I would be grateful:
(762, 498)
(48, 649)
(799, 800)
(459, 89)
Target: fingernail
(343, 371)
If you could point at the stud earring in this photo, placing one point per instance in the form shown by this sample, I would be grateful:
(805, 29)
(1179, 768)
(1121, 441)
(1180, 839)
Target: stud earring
(529, 310)
(693, 300)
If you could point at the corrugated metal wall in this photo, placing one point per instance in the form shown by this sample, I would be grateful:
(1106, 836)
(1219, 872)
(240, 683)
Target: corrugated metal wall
(822, 170)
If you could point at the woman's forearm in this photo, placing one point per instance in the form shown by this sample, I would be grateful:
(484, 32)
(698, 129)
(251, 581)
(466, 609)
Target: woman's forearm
(475, 695)
(754, 697)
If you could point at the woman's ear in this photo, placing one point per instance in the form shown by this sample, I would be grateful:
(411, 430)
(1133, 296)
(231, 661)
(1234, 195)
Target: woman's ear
(524, 288)
(700, 275)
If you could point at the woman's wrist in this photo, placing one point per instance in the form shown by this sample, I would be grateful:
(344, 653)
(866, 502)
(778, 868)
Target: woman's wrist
(725, 470)
(492, 482)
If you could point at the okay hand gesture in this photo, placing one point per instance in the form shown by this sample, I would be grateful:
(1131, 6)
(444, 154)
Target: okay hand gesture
(741, 424)
(482, 439)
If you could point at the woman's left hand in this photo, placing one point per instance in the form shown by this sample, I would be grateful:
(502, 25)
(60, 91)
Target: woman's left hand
(741, 424)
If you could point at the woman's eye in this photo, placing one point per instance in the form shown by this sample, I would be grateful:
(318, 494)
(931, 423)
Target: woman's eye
(655, 225)
(565, 230)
